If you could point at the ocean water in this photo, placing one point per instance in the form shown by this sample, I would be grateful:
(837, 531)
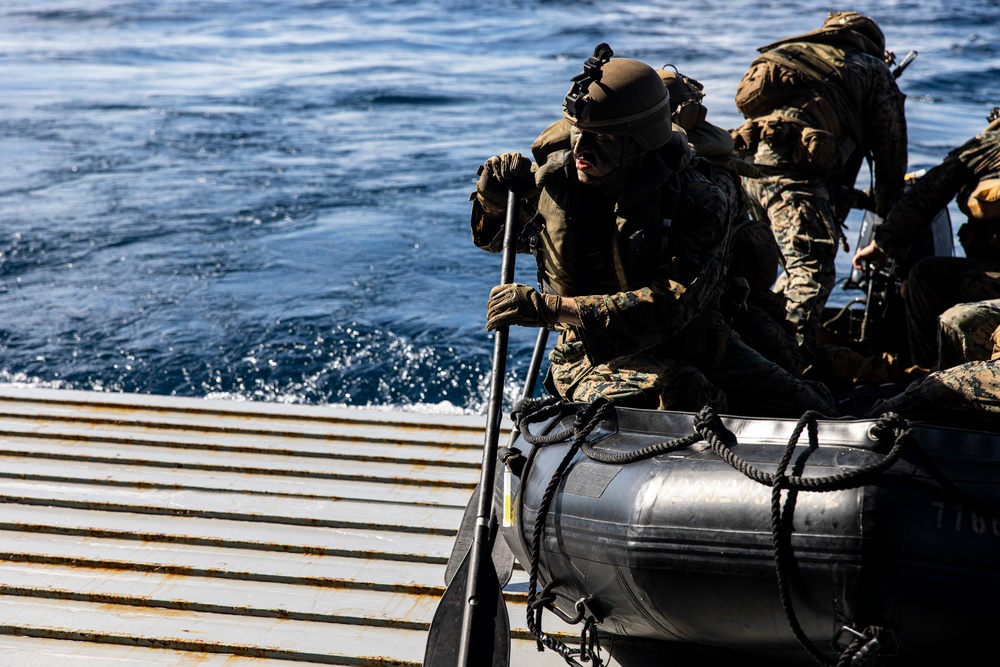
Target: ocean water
(268, 199)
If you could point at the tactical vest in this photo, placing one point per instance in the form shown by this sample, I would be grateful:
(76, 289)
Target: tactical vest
(807, 77)
(580, 253)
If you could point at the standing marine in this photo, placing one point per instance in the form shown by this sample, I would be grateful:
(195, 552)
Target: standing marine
(817, 106)
(631, 237)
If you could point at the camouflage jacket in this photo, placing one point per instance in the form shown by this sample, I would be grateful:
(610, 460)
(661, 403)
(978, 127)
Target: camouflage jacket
(956, 176)
(641, 268)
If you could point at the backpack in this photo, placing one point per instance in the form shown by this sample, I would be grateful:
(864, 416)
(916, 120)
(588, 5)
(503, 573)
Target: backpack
(805, 77)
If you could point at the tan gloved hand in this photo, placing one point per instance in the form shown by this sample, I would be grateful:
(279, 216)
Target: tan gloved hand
(499, 173)
(520, 304)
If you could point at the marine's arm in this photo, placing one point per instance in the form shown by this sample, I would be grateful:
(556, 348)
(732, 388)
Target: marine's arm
(884, 122)
(915, 211)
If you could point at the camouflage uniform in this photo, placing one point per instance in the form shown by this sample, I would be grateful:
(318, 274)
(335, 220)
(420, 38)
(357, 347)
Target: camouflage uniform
(810, 142)
(965, 396)
(762, 324)
(753, 253)
(938, 283)
(646, 274)
(966, 332)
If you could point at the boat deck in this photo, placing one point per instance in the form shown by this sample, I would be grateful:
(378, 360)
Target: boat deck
(152, 530)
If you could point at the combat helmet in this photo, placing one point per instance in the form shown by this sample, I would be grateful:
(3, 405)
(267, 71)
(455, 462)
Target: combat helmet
(620, 97)
(850, 29)
(686, 95)
(862, 26)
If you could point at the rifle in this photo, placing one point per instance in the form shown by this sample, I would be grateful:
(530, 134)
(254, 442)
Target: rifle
(882, 317)
(883, 284)
(891, 60)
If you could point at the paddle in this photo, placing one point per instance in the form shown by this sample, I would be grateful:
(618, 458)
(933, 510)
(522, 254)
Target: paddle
(473, 602)
(503, 557)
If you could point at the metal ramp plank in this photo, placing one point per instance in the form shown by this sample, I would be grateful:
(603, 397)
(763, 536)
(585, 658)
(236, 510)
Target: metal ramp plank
(360, 542)
(252, 509)
(42, 652)
(285, 639)
(224, 563)
(241, 598)
(417, 471)
(245, 420)
(295, 484)
(71, 399)
(334, 446)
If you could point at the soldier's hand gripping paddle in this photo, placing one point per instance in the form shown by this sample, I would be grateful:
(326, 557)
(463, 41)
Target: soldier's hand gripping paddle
(470, 627)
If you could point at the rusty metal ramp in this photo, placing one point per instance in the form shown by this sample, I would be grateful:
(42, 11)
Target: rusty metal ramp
(141, 530)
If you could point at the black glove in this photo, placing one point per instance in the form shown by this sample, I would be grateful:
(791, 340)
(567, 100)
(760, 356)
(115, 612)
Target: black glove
(499, 173)
(520, 304)
(863, 200)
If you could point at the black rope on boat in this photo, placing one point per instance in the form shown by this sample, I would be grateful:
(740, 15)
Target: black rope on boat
(708, 423)
(620, 458)
(538, 409)
(586, 421)
(530, 413)
(782, 538)
(708, 426)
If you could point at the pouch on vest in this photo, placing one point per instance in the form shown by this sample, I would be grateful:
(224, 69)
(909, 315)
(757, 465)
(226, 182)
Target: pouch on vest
(818, 151)
(777, 132)
(745, 138)
(765, 86)
(807, 148)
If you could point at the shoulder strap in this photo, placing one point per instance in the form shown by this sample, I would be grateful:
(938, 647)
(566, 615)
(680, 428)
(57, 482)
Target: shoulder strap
(820, 66)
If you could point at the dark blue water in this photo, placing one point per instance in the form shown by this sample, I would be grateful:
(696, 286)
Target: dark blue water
(268, 200)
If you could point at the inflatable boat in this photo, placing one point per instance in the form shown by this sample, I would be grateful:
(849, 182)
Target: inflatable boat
(800, 542)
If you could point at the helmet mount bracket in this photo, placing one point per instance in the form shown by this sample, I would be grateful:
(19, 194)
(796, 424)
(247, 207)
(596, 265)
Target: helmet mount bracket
(577, 102)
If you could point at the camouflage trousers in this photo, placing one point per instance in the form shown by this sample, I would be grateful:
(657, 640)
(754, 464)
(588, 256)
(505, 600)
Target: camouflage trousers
(967, 332)
(742, 383)
(934, 285)
(806, 226)
(966, 396)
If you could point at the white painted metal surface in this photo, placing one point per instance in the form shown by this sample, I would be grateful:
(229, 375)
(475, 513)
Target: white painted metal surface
(142, 530)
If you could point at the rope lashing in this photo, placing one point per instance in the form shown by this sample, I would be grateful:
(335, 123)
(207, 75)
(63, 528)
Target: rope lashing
(893, 431)
(586, 421)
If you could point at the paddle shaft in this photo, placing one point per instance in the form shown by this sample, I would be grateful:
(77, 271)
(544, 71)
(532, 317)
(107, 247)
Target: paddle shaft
(536, 363)
(503, 558)
(479, 553)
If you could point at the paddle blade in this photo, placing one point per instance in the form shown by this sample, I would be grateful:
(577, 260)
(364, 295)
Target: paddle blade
(463, 540)
(490, 637)
(503, 558)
